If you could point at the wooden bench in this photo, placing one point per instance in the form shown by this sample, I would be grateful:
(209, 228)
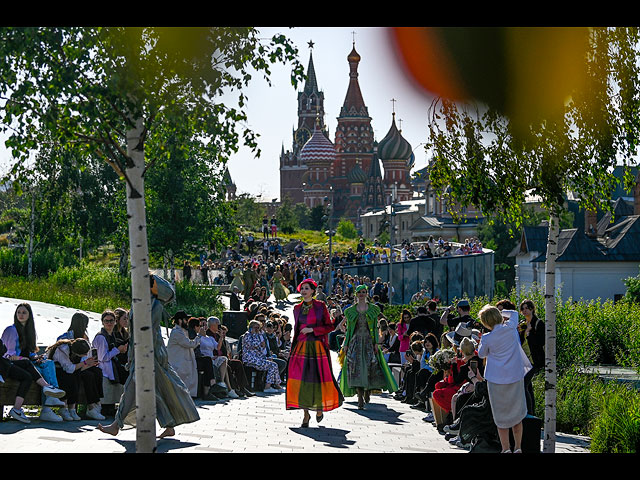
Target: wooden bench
(9, 388)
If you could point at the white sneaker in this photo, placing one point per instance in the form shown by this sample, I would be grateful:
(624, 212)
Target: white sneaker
(271, 390)
(53, 402)
(95, 414)
(222, 384)
(74, 414)
(233, 394)
(18, 414)
(53, 392)
(66, 416)
(48, 415)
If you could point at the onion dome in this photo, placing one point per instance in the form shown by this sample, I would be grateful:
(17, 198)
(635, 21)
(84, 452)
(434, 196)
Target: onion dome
(357, 175)
(394, 147)
(318, 149)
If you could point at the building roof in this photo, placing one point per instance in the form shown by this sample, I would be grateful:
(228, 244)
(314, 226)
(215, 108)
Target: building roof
(318, 148)
(621, 242)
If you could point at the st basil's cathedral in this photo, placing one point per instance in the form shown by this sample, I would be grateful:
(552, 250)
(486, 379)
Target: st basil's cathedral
(347, 172)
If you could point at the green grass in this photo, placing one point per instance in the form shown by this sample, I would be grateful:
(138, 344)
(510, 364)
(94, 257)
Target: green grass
(96, 289)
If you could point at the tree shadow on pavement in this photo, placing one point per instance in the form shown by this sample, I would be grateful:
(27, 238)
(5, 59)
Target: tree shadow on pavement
(330, 437)
(376, 411)
(163, 445)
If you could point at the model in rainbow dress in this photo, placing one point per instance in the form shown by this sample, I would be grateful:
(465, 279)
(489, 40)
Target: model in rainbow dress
(363, 365)
(310, 381)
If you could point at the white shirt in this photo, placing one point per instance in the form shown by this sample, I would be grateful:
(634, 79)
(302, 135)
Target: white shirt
(506, 361)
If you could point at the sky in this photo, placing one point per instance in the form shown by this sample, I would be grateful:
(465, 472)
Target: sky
(272, 111)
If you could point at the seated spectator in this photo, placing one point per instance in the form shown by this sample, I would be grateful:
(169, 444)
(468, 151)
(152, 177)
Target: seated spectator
(213, 386)
(76, 366)
(121, 336)
(180, 349)
(411, 369)
(254, 354)
(430, 344)
(78, 327)
(107, 351)
(274, 349)
(20, 342)
(21, 370)
(455, 377)
(391, 345)
(231, 370)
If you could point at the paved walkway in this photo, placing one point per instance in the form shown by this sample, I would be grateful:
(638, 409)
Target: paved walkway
(259, 424)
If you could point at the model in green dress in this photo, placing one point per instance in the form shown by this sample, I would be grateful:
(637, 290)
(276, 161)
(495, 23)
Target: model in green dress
(364, 367)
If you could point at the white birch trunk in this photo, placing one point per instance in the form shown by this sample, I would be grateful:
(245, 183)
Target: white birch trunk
(550, 376)
(141, 295)
(31, 235)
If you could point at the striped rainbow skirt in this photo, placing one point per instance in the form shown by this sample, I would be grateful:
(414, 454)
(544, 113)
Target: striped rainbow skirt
(310, 381)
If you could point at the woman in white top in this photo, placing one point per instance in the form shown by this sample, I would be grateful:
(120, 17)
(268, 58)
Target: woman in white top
(506, 366)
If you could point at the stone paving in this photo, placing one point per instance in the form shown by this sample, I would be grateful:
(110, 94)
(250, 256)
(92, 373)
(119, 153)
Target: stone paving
(258, 424)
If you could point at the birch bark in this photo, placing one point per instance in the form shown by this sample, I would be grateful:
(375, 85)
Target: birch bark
(550, 376)
(141, 294)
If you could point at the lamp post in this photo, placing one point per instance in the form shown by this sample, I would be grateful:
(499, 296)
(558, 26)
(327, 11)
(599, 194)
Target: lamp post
(330, 233)
(391, 239)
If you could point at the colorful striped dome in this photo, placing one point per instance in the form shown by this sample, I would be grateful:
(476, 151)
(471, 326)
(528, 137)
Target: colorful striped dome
(318, 149)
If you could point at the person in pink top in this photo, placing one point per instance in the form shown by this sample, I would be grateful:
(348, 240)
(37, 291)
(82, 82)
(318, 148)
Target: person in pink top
(401, 330)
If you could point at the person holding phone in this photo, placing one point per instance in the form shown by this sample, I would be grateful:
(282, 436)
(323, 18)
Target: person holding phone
(74, 367)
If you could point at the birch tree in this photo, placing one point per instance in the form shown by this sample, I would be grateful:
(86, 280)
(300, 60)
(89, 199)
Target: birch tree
(482, 159)
(107, 91)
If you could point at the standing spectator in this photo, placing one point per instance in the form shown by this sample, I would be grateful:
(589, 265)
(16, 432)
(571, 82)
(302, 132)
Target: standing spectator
(532, 338)
(422, 323)
(181, 352)
(274, 227)
(506, 366)
(251, 243)
(463, 308)
(265, 227)
(186, 271)
(403, 329)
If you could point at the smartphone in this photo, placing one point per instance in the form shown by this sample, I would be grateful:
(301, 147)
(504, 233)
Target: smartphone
(94, 353)
(474, 366)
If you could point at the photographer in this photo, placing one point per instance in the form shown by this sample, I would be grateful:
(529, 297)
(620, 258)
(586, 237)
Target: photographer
(463, 309)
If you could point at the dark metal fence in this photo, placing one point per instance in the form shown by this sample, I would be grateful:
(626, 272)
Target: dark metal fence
(446, 277)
